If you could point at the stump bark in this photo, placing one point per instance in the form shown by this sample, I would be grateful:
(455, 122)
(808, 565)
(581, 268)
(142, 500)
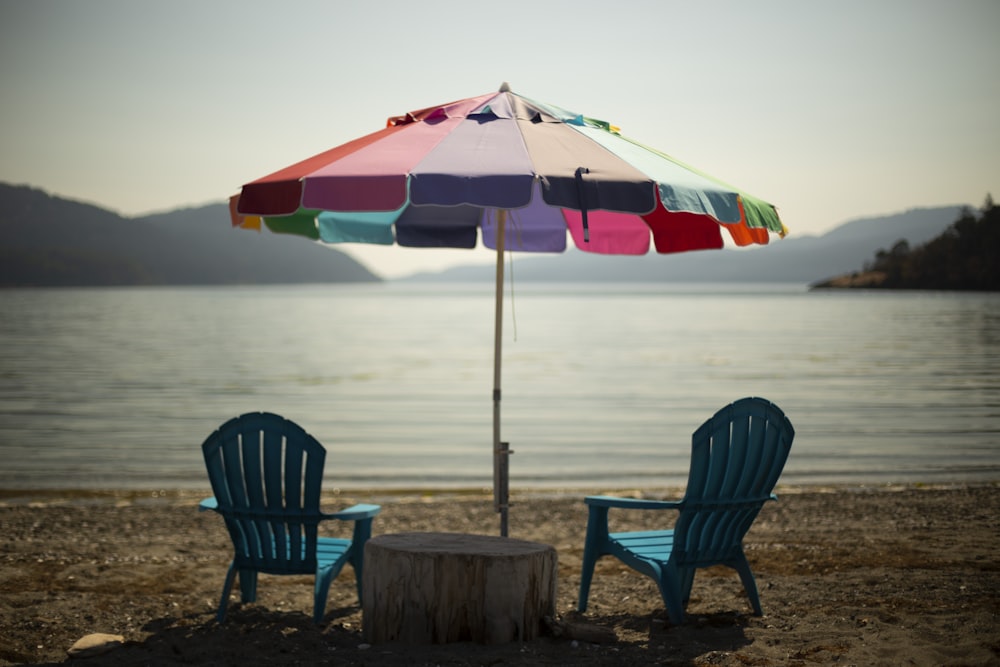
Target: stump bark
(437, 588)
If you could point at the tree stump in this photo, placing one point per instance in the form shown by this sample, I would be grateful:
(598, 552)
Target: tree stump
(437, 588)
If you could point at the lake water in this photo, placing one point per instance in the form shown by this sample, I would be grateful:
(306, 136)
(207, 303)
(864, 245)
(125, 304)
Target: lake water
(602, 385)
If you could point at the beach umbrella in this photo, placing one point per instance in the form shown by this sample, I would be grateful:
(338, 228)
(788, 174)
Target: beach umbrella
(514, 174)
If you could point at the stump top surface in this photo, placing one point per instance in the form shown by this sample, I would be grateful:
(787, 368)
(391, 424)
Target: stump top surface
(457, 543)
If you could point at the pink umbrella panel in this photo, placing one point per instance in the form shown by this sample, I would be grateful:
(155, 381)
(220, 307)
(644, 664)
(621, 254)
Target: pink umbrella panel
(514, 173)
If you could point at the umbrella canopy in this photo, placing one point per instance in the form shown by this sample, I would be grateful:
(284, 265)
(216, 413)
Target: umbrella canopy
(516, 174)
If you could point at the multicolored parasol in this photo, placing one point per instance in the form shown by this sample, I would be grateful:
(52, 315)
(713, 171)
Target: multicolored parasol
(516, 174)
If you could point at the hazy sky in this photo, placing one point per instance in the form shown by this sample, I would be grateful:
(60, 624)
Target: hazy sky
(831, 111)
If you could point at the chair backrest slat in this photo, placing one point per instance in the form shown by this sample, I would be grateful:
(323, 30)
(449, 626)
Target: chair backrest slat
(740, 452)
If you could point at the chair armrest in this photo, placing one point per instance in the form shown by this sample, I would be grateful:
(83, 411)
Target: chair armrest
(633, 503)
(355, 513)
(208, 504)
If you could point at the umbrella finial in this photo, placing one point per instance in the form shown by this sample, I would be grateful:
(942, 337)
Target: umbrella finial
(504, 87)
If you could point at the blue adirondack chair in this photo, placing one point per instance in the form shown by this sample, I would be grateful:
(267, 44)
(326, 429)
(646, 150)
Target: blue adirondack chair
(736, 458)
(266, 473)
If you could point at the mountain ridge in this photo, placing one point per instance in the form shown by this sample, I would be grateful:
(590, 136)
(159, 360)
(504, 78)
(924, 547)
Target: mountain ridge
(46, 240)
(49, 241)
(804, 259)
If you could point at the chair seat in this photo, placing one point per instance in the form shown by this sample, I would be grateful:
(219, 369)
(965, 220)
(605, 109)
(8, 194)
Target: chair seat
(653, 545)
(331, 549)
(657, 546)
(330, 552)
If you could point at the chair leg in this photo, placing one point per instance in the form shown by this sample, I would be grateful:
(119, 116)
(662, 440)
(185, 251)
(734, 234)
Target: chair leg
(227, 588)
(586, 574)
(248, 585)
(687, 582)
(356, 557)
(669, 582)
(358, 572)
(597, 535)
(322, 590)
(749, 584)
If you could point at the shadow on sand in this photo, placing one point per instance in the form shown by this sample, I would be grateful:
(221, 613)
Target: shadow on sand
(255, 635)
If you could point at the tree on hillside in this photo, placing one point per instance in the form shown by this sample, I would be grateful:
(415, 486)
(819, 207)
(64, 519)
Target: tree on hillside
(965, 257)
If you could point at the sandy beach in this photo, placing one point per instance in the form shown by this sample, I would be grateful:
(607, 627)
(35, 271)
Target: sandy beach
(889, 576)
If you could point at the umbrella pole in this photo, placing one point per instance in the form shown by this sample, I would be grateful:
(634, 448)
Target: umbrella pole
(500, 449)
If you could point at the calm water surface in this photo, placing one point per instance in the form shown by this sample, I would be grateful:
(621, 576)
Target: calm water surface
(602, 386)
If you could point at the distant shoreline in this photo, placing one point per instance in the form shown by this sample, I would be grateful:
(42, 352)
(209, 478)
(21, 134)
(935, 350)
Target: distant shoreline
(130, 497)
(856, 280)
